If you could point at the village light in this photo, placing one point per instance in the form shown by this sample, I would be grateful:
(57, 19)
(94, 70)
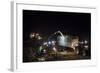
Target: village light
(37, 34)
(39, 38)
(53, 42)
(85, 41)
(45, 43)
(54, 49)
(86, 46)
(32, 35)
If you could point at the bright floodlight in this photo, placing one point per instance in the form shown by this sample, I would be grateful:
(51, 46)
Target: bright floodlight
(62, 41)
(49, 43)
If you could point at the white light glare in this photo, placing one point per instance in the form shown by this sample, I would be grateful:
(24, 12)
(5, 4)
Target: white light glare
(39, 38)
(86, 46)
(49, 42)
(44, 51)
(32, 35)
(54, 49)
(85, 41)
(62, 41)
(53, 42)
(45, 43)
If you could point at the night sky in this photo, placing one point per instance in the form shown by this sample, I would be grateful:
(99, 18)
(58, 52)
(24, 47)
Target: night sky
(48, 22)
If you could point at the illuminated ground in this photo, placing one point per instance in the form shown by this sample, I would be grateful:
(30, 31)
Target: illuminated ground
(53, 56)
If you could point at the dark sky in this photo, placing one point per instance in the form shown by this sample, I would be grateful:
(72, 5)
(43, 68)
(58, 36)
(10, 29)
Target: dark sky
(46, 22)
